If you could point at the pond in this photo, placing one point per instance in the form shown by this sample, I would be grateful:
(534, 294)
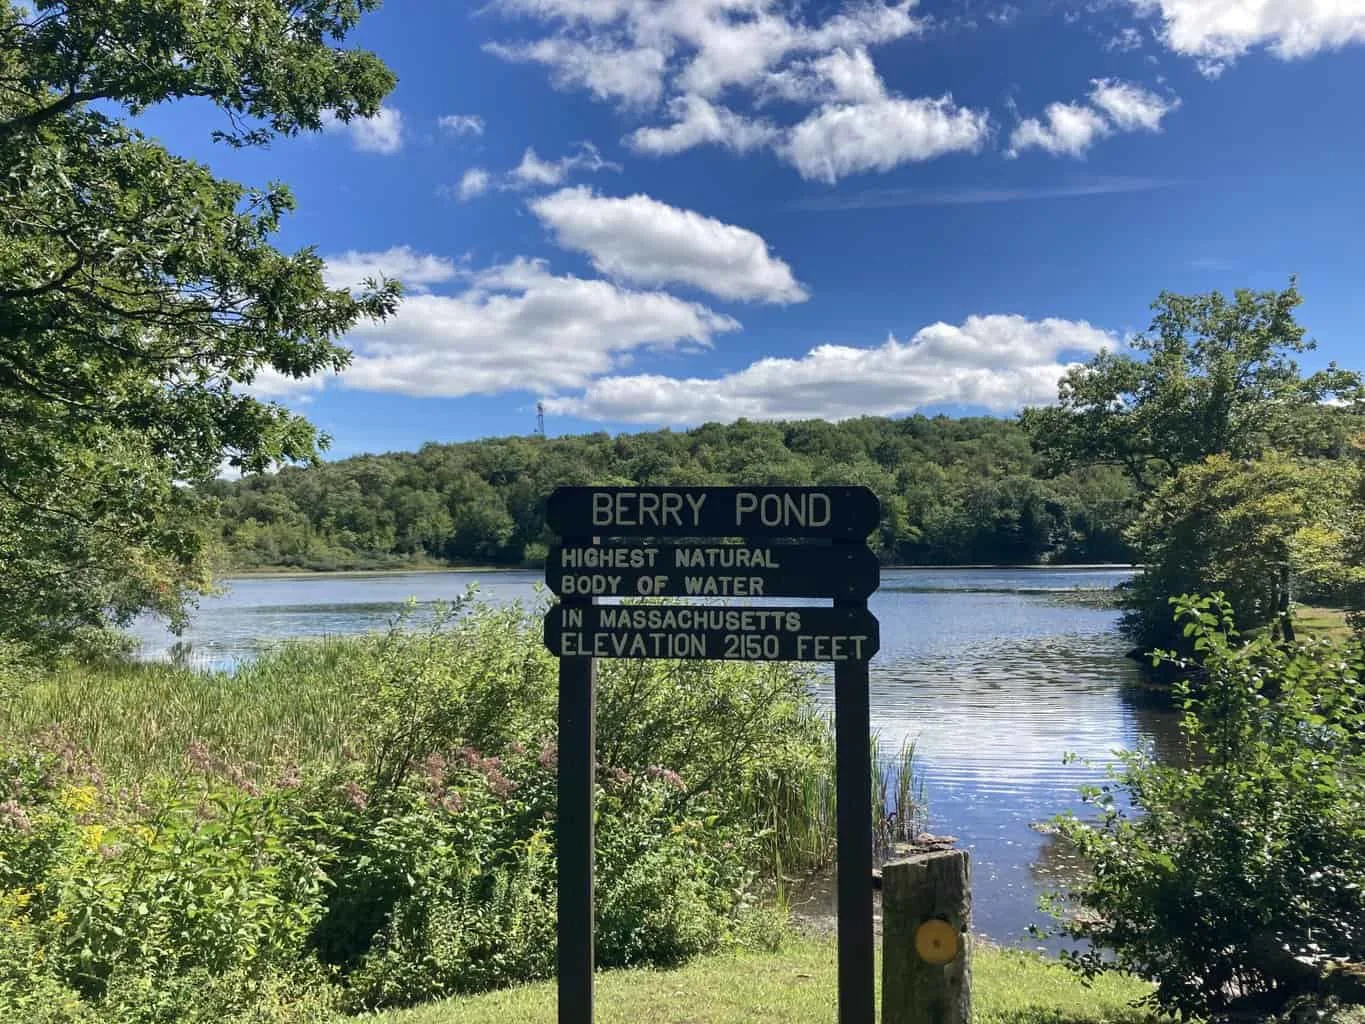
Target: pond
(994, 674)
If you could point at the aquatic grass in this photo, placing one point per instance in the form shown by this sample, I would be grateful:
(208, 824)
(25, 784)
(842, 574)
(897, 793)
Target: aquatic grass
(800, 809)
(899, 806)
(138, 720)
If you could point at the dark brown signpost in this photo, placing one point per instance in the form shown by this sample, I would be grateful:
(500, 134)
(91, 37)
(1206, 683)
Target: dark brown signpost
(736, 547)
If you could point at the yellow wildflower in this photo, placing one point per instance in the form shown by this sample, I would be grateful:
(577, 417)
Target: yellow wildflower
(78, 799)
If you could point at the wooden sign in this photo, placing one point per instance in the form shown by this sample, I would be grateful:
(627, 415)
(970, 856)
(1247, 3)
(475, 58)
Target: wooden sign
(716, 632)
(849, 513)
(715, 570)
(600, 560)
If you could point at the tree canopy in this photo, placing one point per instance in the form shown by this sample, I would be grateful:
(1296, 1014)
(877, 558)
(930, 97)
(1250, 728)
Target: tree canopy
(952, 491)
(1241, 461)
(1211, 376)
(140, 294)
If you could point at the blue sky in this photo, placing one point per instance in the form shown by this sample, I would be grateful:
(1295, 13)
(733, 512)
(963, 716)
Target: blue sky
(663, 212)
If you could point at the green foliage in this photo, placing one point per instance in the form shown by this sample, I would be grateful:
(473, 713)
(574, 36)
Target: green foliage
(1262, 532)
(383, 831)
(139, 293)
(952, 491)
(1241, 881)
(1214, 379)
(182, 901)
(1215, 376)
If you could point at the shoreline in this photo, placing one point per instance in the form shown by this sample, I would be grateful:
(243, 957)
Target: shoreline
(283, 573)
(272, 574)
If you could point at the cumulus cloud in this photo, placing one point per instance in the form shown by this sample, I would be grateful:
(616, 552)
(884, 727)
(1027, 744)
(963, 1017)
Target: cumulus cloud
(1070, 129)
(1216, 32)
(272, 385)
(625, 49)
(382, 133)
(474, 182)
(844, 75)
(533, 171)
(417, 271)
(461, 124)
(632, 75)
(638, 51)
(647, 242)
(998, 362)
(698, 122)
(519, 327)
(1130, 107)
(848, 138)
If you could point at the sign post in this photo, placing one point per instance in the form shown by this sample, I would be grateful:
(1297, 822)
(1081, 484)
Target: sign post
(738, 545)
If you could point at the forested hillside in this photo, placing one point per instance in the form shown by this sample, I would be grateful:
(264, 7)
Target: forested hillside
(952, 490)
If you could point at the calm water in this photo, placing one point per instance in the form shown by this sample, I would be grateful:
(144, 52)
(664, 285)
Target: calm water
(986, 670)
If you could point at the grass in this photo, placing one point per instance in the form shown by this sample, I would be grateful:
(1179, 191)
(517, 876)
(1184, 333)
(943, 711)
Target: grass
(138, 720)
(794, 986)
(1318, 621)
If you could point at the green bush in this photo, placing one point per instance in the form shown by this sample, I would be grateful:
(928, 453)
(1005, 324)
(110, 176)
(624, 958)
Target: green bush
(119, 901)
(370, 822)
(1241, 881)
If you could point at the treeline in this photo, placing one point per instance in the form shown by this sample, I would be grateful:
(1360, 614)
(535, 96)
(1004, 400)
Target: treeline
(953, 491)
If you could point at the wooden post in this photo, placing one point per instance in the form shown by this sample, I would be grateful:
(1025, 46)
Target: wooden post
(853, 788)
(574, 833)
(926, 939)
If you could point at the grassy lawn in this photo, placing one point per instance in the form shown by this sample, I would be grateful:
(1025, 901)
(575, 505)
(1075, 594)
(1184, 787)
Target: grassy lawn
(795, 986)
(1312, 620)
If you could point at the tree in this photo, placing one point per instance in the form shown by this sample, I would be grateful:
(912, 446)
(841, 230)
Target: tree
(1256, 530)
(139, 294)
(1215, 377)
(1234, 882)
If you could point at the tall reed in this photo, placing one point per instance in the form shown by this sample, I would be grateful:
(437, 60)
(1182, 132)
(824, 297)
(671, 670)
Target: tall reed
(798, 807)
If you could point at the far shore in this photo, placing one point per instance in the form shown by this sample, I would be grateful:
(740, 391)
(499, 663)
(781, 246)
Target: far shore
(279, 573)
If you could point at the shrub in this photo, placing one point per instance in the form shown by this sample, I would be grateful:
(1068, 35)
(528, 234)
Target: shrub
(370, 822)
(182, 902)
(1241, 883)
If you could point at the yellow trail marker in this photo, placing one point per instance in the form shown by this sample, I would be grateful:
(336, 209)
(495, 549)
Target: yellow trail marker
(936, 942)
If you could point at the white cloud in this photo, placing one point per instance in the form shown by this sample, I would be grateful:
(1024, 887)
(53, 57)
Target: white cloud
(840, 76)
(698, 122)
(843, 139)
(1130, 107)
(691, 51)
(417, 271)
(1219, 31)
(518, 327)
(608, 71)
(270, 384)
(475, 182)
(1127, 38)
(533, 171)
(1071, 129)
(382, 133)
(642, 240)
(998, 362)
(462, 124)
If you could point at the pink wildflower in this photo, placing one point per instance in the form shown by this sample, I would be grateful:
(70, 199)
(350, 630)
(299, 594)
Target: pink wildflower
(199, 757)
(14, 816)
(357, 796)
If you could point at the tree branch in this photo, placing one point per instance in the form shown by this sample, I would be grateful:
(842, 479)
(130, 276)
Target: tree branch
(35, 117)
